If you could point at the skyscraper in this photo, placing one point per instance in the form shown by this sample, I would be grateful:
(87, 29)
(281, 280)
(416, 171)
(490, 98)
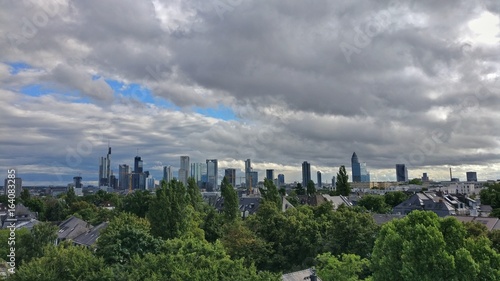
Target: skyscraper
(319, 179)
(248, 169)
(123, 176)
(356, 168)
(270, 174)
(254, 178)
(104, 170)
(306, 173)
(138, 176)
(401, 173)
(212, 174)
(230, 175)
(197, 171)
(18, 185)
(281, 179)
(167, 173)
(471, 176)
(77, 182)
(184, 171)
(359, 170)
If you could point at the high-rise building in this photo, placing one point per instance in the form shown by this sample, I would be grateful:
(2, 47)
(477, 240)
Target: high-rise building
(104, 170)
(18, 185)
(471, 176)
(306, 173)
(425, 178)
(139, 176)
(355, 167)
(270, 174)
(212, 174)
(167, 173)
(401, 173)
(248, 169)
(230, 175)
(334, 183)
(123, 176)
(318, 174)
(359, 170)
(150, 183)
(254, 178)
(197, 170)
(78, 186)
(281, 179)
(184, 171)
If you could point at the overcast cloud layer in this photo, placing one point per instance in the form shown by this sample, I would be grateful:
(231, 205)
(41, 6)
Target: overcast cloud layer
(413, 82)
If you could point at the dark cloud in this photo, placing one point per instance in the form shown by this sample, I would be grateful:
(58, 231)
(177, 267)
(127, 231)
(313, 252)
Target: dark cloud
(391, 80)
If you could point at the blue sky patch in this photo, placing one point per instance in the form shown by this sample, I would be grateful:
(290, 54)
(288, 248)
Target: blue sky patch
(16, 67)
(222, 112)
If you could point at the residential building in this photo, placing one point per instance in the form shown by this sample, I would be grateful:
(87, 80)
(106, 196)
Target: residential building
(428, 202)
(401, 173)
(306, 173)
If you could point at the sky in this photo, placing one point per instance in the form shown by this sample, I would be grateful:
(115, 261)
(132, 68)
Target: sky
(279, 82)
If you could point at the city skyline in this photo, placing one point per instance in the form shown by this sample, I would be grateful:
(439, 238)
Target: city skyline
(277, 82)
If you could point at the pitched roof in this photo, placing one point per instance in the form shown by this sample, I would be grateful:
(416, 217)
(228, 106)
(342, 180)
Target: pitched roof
(72, 227)
(89, 238)
(337, 200)
(384, 218)
(299, 275)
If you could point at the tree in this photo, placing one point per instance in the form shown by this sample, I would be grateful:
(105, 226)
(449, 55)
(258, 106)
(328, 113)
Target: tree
(25, 195)
(212, 224)
(126, 235)
(270, 193)
(347, 267)
(137, 203)
(169, 214)
(195, 260)
(64, 262)
(194, 194)
(422, 246)
(299, 189)
(230, 210)
(395, 198)
(490, 194)
(374, 203)
(71, 196)
(416, 181)
(475, 229)
(343, 186)
(494, 237)
(32, 245)
(311, 189)
(56, 210)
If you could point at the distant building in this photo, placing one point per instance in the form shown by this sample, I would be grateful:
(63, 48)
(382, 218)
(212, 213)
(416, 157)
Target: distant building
(270, 174)
(150, 183)
(212, 174)
(401, 173)
(425, 178)
(104, 170)
(167, 173)
(248, 169)
(318, 174)
(18, 184)
(254, 177)
(123, 176)
(78, 186)
(184, 170)
(230, 175)
(359, 170)
(471, 176)
(334, 183)
(281, 179)
(306, 173)
(197, 171)
(138, 177)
